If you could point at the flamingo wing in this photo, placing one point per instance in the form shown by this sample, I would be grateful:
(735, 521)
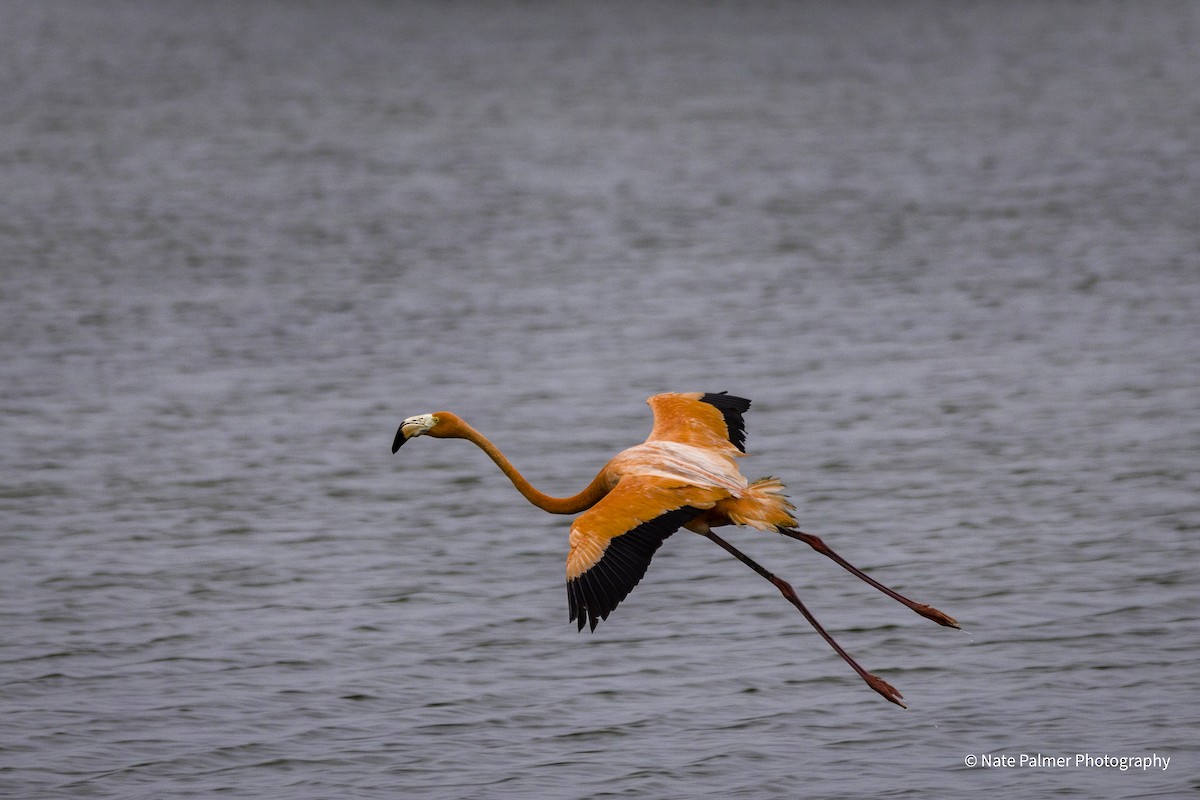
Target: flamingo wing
(701, 419)
(612, 543)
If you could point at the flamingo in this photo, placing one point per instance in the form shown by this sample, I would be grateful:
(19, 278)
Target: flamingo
(684, 475)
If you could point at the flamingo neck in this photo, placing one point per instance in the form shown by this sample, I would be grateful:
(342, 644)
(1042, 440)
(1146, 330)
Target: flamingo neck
(555, 505)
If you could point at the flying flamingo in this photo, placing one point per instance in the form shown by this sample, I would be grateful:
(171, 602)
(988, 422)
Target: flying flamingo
(684, 475)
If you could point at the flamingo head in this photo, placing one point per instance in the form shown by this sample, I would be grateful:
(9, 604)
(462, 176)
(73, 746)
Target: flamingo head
(414, 427)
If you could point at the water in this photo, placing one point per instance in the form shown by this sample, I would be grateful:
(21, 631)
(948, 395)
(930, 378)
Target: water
(950, 250)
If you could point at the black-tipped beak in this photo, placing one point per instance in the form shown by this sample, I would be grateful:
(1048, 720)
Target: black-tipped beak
(399, 440)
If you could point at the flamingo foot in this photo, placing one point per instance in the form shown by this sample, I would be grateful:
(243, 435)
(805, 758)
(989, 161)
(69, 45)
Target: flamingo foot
(929, 612)
(884, 688)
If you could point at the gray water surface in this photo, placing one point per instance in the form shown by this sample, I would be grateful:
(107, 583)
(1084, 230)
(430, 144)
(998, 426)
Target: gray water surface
(950, 250)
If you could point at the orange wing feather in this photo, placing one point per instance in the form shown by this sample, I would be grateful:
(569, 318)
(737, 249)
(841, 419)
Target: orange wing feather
(613, 542)
(700, 419)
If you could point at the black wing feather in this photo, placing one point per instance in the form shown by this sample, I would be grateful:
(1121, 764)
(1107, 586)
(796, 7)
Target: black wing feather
(593, 595)
(732, 409)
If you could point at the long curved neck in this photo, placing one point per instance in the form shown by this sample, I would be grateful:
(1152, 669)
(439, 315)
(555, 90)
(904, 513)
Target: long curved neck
(574, 504)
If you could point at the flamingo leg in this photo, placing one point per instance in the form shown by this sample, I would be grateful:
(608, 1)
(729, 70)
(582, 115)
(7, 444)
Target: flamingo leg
(875, 682)
(815, 542)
